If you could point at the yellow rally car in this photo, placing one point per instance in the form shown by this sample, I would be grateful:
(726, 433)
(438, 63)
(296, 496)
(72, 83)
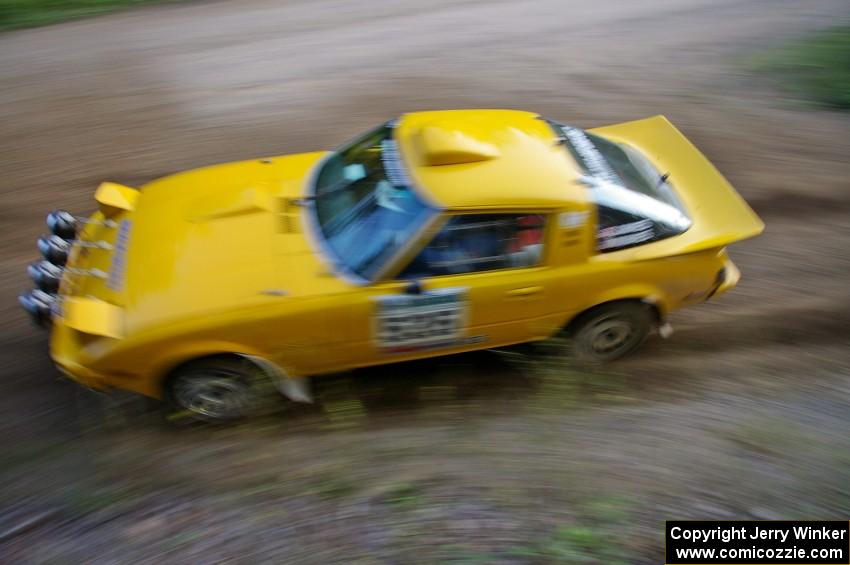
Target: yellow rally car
(436, 233)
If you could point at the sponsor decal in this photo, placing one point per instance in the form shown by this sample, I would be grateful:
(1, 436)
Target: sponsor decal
(594, 161)
(416, 322)
(571, 219)
(115, 282)
(625, 234)
(393, 165)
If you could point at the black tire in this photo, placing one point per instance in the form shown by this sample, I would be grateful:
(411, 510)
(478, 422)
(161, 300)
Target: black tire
(610, 331)
(217, 389)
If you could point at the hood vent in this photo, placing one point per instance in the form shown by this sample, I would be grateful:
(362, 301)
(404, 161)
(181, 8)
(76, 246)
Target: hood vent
(442, 146)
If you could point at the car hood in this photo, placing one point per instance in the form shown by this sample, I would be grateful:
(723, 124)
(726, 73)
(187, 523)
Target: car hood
(215, 239)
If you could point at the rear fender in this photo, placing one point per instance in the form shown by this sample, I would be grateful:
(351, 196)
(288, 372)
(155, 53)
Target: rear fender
(646, 294)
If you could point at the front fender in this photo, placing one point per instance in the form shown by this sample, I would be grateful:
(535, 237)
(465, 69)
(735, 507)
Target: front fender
(162, 365)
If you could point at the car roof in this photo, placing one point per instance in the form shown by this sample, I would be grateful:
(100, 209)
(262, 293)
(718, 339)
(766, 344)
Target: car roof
(463, 159)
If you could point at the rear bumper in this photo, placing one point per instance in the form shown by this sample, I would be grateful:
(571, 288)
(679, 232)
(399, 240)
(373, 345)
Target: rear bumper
(730, 277)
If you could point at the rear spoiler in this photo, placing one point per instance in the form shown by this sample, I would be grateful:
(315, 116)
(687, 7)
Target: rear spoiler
(720, 215)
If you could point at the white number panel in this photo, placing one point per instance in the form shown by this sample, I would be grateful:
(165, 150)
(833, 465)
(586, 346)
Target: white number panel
(411, 322)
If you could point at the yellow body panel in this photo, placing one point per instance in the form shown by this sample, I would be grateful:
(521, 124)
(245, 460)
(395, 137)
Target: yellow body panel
(93, 317)
(224, 259)
(114, 198)
(531, 169)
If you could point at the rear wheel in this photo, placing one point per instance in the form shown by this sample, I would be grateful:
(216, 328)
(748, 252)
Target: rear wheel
(215, 389)
(610, 331)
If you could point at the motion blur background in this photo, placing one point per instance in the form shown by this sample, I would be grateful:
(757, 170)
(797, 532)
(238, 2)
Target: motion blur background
(490, 458)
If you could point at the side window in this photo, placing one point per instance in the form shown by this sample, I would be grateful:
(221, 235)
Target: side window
(617, 229)
(481, 242)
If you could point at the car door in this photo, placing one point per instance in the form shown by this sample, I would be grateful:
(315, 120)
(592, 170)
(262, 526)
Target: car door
(482, 281)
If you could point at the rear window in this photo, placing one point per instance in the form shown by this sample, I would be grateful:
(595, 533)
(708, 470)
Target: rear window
(635, 202)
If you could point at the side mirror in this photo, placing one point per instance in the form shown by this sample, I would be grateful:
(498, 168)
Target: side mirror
(413, 287)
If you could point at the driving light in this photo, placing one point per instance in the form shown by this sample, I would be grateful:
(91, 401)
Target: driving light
(54, 248)
(38, 305)
(62, 223)
(45, 275)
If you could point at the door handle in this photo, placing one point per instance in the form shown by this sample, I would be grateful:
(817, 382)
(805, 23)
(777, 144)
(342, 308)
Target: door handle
(525, 291)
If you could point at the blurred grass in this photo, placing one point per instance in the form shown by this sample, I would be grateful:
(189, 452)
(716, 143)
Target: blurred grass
(29, 13)
(816, 67)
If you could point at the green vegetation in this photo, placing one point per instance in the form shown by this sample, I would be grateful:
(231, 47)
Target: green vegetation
(596, 538)
(333, 487)
(30, 13)
(405, 495)
(599, 536)
(818, 67)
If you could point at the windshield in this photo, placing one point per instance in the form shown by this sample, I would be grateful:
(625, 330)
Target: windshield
(365, 206)
(635, 202)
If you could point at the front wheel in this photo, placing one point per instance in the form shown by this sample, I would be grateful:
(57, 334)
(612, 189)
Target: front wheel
(215, 390)
(610, 332)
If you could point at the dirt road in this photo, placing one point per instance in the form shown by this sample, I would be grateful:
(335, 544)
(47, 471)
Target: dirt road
(745, 412)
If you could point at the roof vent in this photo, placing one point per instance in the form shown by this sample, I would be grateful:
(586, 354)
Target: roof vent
(442, 146)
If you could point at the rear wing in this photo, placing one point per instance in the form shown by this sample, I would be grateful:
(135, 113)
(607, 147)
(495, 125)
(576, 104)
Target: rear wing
(720, 215)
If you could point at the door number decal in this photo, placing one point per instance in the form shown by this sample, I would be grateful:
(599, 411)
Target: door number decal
(412, 322)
